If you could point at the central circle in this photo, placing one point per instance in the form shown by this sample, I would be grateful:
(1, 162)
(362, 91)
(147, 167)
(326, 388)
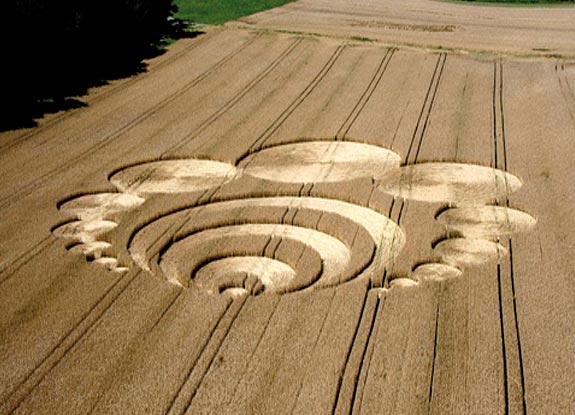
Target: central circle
(320, 161)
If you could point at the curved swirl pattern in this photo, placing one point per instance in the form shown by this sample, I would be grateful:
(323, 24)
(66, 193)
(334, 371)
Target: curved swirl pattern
(326, 242)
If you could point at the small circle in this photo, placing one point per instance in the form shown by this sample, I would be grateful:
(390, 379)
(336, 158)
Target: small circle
(274, 275)
(84, 230)
(436, 272)
(108, 262)
(402, 283)
(468, 252)
(235, 292)
(91, 250)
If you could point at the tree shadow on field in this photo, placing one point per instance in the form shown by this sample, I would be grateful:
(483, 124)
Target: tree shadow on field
(48, 71)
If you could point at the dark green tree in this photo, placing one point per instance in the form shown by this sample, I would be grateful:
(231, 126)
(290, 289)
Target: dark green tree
(56, 49)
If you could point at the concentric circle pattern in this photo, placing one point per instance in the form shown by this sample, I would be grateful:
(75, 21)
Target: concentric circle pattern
(325, 242)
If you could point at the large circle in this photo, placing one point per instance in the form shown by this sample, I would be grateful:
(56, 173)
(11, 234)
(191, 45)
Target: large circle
(101, 205)
(464, 184)
(320, 161)
(486, 221)
(172, 176)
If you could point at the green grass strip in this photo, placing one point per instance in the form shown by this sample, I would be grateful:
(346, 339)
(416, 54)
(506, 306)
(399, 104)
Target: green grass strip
(221, 11)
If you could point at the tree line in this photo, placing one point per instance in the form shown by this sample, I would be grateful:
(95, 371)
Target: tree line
(55, 49)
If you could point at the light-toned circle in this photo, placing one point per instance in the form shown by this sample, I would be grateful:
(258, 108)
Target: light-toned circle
(172, 176)
(486, 221)
(235, 292)
(402, 283)
(84, 230)
(468, 252)
(320, 161)
(436, 272)
(101, 205)
(92, 250)
(274, 275)
(464, 184)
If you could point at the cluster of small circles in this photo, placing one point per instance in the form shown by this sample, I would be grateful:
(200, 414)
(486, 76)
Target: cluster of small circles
(95, 215)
